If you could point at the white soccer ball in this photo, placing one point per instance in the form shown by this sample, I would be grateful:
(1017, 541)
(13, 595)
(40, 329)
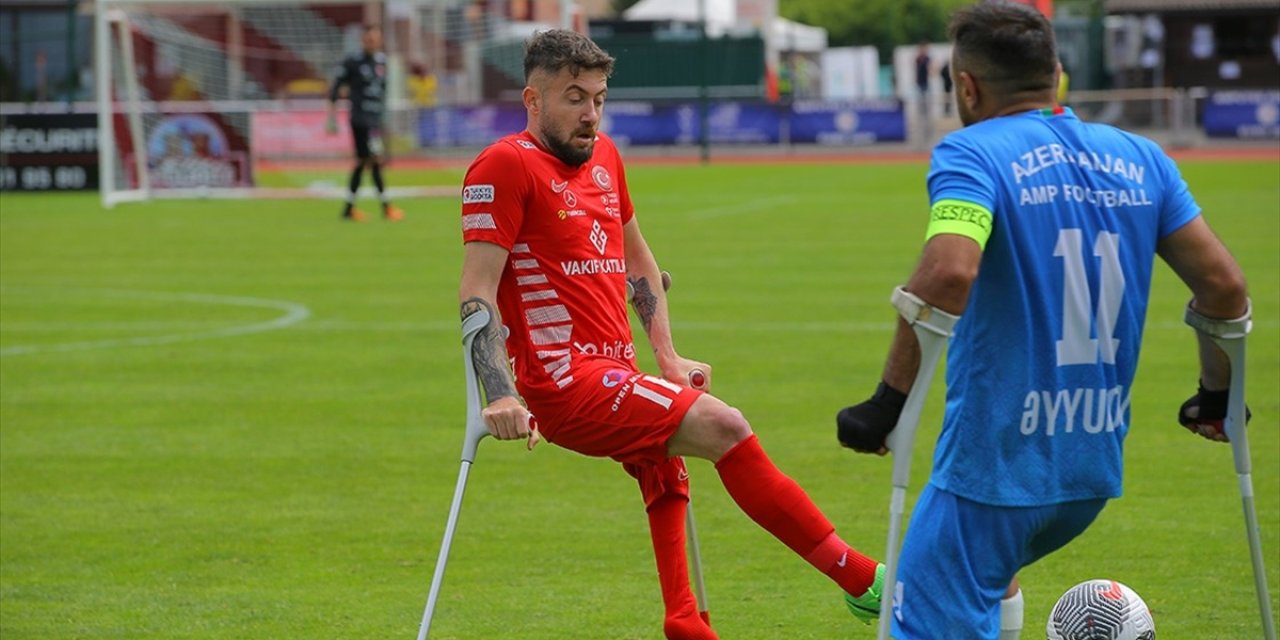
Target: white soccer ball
(1101, 610)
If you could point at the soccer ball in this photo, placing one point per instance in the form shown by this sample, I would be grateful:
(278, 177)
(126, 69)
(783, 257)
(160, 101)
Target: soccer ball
(1100, 610)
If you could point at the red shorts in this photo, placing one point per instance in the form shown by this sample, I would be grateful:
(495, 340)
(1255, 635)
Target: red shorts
(611, 410)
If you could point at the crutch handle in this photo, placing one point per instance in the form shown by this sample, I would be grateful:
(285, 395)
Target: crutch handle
(475, 429)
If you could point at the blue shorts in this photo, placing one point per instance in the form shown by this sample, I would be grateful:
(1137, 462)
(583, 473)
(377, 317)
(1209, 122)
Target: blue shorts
(959, 557)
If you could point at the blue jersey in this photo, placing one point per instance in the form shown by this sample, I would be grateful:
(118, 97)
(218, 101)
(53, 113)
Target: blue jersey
(1040, 367)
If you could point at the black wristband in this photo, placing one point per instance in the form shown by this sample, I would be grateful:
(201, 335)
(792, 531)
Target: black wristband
(1213, 404)
(890, 396)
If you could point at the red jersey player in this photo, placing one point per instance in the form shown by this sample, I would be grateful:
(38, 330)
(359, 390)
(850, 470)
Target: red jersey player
(551, 241)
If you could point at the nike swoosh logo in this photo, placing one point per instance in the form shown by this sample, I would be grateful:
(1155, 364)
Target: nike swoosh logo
(844, 558)
(559, 187)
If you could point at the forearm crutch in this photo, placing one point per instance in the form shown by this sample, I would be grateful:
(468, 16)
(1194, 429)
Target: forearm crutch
(932, 327)
(475, 431)
(1230, 335)
(691, 529)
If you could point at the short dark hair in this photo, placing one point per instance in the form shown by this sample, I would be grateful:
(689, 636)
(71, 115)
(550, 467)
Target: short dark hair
(556, 49)
(1008, 45)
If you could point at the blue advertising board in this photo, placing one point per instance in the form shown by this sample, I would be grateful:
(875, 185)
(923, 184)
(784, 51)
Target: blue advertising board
(647, 123)
(475, 126)
(851, 123)
(680, 123)
(1243, 114)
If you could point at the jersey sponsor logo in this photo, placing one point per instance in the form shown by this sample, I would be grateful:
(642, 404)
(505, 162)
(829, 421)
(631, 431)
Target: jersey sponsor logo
(477, 193)
(593, 266)
(559, 186)
(613, 378)
(610, 202)
(570, 213)
(570, 199)
(602, 178)
(618, 349)
(598, 237)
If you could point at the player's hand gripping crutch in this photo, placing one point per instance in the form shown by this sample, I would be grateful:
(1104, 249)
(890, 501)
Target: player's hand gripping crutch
(1230, 335)
(697, 380)
(932, 327)
(475, 431)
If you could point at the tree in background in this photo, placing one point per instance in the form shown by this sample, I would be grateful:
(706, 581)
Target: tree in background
(883, 24)
(622, 5)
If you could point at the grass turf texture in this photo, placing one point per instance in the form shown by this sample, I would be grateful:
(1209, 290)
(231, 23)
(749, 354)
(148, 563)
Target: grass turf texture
(294, 483)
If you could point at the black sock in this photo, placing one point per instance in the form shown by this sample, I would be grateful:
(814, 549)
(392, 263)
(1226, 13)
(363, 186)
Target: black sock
(353, 187)
(376, 170)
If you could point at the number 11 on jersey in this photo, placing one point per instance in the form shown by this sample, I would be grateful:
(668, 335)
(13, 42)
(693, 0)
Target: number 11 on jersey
(1076, 347)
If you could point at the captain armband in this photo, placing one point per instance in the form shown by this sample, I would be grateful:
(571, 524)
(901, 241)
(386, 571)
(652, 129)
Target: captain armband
(960, 218)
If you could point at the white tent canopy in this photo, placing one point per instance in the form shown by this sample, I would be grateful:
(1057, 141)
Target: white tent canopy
(789, 35)
(722, 17)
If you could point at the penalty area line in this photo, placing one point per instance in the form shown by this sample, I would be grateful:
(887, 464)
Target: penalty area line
(292, 313)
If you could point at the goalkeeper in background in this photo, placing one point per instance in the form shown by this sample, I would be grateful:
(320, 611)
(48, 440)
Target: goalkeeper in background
(365, 75)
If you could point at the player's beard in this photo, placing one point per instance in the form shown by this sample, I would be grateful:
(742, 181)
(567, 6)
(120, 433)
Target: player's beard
(565, 148)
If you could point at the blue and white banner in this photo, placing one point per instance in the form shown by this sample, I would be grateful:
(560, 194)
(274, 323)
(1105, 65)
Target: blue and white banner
(743, 122)
(469, 126)
(646, 123)
(680, 123)
(848, 123)
(1243, 114)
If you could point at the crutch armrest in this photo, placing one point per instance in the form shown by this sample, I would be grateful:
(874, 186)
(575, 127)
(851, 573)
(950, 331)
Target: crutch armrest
(1219, 328)
(916, 311)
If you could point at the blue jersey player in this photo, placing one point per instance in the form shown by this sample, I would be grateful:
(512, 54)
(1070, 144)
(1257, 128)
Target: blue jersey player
(1042, 234)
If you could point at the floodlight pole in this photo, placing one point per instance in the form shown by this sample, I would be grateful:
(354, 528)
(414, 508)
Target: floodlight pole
(704, 107)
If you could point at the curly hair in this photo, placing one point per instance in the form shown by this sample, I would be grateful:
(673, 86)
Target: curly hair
(557, 49)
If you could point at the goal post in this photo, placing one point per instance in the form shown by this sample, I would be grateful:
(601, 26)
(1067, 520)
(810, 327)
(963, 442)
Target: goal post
(107, 168)
(193, 95)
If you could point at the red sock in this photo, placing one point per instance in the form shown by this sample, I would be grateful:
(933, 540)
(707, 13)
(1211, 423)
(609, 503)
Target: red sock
(666, 526)
(776, 503)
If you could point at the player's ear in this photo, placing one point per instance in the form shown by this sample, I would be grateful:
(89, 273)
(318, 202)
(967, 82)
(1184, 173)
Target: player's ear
(967, 90)
(532, 99)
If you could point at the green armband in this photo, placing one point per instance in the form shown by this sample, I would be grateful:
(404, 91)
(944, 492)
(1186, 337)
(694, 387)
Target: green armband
(960, 218)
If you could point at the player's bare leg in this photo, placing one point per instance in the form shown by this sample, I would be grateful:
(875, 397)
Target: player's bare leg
(714, 431)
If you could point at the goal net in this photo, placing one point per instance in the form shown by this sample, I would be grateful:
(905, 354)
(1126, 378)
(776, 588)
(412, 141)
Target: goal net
(203, 99)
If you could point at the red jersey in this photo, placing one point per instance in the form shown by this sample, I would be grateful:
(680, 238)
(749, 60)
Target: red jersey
(562, 294)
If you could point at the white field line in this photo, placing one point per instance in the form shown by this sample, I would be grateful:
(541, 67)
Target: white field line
(293, 313)
(739, 208)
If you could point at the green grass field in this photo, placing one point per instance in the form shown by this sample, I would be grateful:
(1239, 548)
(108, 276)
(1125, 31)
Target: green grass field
(239, 419)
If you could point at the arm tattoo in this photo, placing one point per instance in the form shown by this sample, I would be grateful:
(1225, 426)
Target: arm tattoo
(489, 353)
(645, 302)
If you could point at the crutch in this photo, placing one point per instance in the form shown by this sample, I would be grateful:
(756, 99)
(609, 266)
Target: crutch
(932, 327)
(1229, 335)
(476, 431)
(697, 380)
